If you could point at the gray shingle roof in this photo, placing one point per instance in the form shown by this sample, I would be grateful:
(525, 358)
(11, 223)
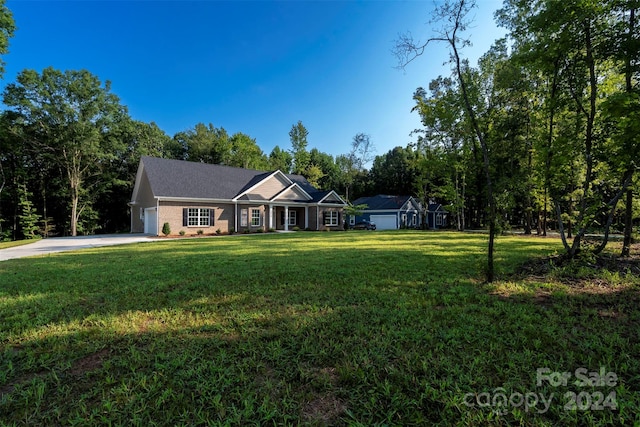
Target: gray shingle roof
(179, 178)
(382, 202)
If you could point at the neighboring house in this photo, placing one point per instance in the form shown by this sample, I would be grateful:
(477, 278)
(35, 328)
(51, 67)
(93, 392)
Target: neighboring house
(389, 212)
(436, 216)
(194, 196)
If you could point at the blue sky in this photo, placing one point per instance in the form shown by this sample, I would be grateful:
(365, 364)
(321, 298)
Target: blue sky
(252, 67)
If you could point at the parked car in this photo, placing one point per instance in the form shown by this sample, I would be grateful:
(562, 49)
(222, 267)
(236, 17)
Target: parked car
(365, 225)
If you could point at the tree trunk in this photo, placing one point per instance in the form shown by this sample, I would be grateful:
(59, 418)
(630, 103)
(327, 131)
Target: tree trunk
(544, 214)
(612, 205)
(628, 213)
(628, 224)
(485, 150)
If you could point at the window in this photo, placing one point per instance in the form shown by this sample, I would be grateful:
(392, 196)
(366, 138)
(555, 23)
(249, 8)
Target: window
(352, 220)
(255, 217)
(293, 217)
(414, 219)
(404, 220)
(439, 219)
(141, 214)
(331, 219)
(198, 217)
(244, 215)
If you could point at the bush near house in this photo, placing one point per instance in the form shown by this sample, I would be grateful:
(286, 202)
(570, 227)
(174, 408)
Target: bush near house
(166, 229)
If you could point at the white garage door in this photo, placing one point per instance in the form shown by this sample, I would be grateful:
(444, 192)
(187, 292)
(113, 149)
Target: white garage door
(385, 222)
(150, 221)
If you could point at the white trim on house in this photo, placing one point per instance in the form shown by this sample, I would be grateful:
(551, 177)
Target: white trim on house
(252, 217)
(262, 181)
(292, 187)
(330, 215)
(136, 186)
(194, 200)
(332, 192)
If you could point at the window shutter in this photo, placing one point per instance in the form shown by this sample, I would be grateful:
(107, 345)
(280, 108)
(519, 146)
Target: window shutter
(212, 216)
(325, 216)
(185, 214)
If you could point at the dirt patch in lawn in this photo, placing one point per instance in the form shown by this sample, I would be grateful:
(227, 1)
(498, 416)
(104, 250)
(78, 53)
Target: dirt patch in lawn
(89, 363)
(9, 388)
(324, 409)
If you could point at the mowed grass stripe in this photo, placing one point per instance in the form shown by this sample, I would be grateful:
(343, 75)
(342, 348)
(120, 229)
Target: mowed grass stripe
(358, 328)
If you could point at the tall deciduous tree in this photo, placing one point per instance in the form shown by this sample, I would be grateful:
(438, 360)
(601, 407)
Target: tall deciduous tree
(453, 16)
(68, 114)
(298, 137)
(7, 28)
(571, 44)
(280, 159)
(206, 144)
(394, 172)
(245, 153)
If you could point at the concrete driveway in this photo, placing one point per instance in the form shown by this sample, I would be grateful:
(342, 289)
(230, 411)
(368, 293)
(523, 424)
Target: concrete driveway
(62, 244)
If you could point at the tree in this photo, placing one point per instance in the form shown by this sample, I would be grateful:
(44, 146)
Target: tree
(441, 166)
(327, 174)
(27, 217)
(454, 13)
(67, 115)
(136, 139)
(298, 137)
(245, 153)
(280, 160)
(7, 28)
(205, 144)
(577, 52)
(362, 150)
(351, 166)
(354, 210)
(394, 172)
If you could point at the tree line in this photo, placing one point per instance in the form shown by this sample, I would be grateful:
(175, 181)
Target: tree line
(542, 133)
(69, 153)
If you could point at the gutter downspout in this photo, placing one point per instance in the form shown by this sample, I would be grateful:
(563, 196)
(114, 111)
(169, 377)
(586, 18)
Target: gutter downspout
(157, 215)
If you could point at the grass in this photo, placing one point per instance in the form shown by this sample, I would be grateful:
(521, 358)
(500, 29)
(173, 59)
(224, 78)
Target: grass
(12, 243)
(357, 328)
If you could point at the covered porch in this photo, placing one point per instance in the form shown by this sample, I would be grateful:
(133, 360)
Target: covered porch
(286, 217)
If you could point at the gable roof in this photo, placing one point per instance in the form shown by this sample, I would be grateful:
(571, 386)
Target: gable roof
(383, 202)
(436, 207)
(192, 180)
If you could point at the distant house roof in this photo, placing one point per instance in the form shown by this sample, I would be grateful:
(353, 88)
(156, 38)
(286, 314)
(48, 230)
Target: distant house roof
(183, 179)
(436, 207)
(383, 202)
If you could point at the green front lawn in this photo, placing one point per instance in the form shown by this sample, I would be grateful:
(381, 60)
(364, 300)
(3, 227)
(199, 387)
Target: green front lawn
(360, 328)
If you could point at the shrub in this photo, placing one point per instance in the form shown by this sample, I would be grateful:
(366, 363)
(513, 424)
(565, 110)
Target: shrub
(246, 231)
(232, 230)
(296, 228)
(272, 230)
(260, 230)
(166, 229)
(200, 232)
(182, 233)
(218, 232)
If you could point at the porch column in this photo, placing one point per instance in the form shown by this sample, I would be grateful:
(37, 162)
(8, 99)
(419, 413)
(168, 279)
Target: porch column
(306, 217)
(286, 218)
(271, 216)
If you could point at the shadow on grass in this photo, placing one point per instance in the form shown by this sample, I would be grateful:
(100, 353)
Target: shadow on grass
(343, 330)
